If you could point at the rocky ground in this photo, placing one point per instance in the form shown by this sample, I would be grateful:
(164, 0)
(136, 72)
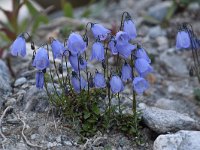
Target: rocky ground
(170, 113)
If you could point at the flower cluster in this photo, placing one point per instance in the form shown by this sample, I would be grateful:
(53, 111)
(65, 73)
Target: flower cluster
(74, 50)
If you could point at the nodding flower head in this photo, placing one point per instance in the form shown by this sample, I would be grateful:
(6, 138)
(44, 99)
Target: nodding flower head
(140, 85)
(116, 84)
(74, 62)
(99, 31)
(18, 47)
(76, 83)
(39, 79)
(97, 51)
(129, 28)
(143, 67)
(99, 80)
(58, 49)
(41, 60)
(76, 44)
(183, 40)
(122, 38)
(112, 46)
(140, 53)
(126, 72)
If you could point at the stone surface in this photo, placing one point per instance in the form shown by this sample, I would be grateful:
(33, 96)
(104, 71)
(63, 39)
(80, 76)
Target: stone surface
(182, 140)
(156, 31)
(20, 81)
(159, 11)
(5, 87)
(163, 121)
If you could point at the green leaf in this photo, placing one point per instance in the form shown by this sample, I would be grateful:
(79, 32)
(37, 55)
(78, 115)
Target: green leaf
(40, 19)
(95, 109)
(86, 115)
(68, 10)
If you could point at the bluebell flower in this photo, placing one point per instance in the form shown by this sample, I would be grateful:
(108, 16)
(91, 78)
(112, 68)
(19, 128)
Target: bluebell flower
(130, 29)
(76, 44)
(41, 60)
(74, 62)
(97, 51)
(18, 47)
(99, 31)
(124, 48)
(183, 40)
(140, 85)
(112, 46)
(140, 53)
(99, 80)
(58, 49)
(116, 84)
(39, 79)
(143, 67)
(76, 83)
(126, 72)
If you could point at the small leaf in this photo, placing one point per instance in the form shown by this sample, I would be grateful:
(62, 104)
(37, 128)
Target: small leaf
(68, 10)
(86, 115)
(96, 110)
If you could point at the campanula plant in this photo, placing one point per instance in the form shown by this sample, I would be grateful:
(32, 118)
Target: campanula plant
(87, 92)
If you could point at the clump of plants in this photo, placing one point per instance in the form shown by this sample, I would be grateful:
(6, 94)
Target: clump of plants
(85, 94)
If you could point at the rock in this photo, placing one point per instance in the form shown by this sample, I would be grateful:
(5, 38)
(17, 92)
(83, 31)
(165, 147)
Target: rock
(156, 31)
(160, 10)
(35, 100)
(182, 140)
(173, 64)
(50, 144)
(194, 6)
(10, 102)
(5, 87)
(162, 42)
(163, 121)
(20, 81)
(67, 143)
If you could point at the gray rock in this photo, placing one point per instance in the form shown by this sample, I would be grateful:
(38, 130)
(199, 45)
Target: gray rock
(194, 6)
(35, 100)
(159, 11)
(156, 31)
(173, 64)
(163, 121)
(182, 140)
(20, 81)
(5, 87)
(10, 102)
(67, 143)
(162, 43)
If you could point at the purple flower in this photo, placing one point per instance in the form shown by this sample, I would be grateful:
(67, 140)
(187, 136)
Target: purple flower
(130, 29)
(182, 40)
(112, 47)
(99, 31)
(76, 83)
(76, 44)
(126, 72)
(99, 80)
(143, 67)
(140, 85)
(97, 51)
(116, 84)
(58, 49)
(39, 79)
(18, 47)
(124, 48)
(74, 62)
(41, 60)
(140, 53)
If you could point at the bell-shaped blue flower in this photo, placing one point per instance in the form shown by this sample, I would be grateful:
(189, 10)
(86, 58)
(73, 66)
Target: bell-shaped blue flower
(140, 53)
(116, 84)
(58, 49)
(183, 40)
(122, 38)
(39, 79)
(76, 44)
(74, 62)
(97, 51)
(126, 72)
(41, 60)
(99, 31)
(18, 47)
(130, 29)
(112, 46)
(143, 67)
(140, 85)
(99, 80)
(76, 83)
